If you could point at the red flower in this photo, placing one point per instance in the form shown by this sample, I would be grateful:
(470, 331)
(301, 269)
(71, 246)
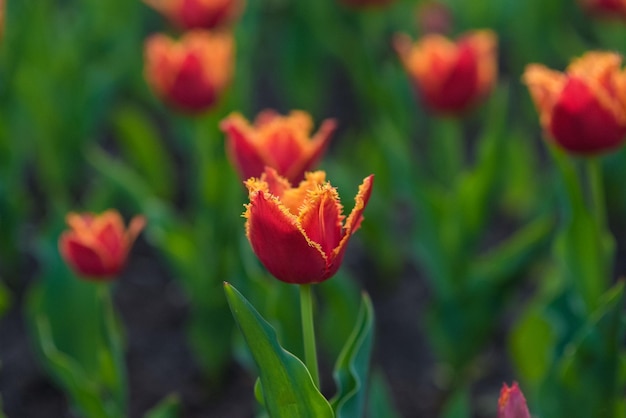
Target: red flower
(450, 76)
(198, 14)
(281, 142)
(584, 109)
(512, 403)
(96, 246)
(299, 234)
(606, 8)
(192, 73)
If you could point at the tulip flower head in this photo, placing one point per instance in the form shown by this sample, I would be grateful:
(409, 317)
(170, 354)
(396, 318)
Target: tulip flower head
(450, 76)
(280, 142)
(300, 233)
(96, 246)
(198, 14)
(610, 9)
(189, 74)
(584, 109)
(512, 403)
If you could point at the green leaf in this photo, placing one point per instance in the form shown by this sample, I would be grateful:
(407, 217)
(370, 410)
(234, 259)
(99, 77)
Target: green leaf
(167, 408)
(352, 368)
(142, 147)
(5, 299)
(288, 388)
(379, 400)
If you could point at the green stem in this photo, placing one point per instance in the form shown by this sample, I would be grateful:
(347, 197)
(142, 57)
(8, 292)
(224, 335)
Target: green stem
(594, 171)
(308, 332)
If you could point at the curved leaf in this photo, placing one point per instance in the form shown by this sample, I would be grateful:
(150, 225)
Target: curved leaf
(352, 368)
(288, 389)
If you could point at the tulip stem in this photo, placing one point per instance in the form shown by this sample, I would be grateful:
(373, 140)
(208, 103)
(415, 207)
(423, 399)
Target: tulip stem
(308, 332)
(594, 171)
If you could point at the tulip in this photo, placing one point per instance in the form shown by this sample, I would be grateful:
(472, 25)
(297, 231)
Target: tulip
(97, 246)
(512, 403)
(299, 233)
(189, 74)
(606, 8)
(198, 14)
(584, 109)
(450, 76)
(280, 142)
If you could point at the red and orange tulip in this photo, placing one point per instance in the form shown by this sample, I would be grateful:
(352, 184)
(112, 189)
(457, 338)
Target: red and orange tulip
(198, 14)
(97, 246)
(450, 76)
(606, 8)
(280, 142)
(584, 109)
(512, 403)
(189, 74)
(299, 233)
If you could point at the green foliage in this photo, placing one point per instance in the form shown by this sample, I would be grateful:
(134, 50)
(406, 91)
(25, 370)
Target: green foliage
(167, 408)
(288, 389)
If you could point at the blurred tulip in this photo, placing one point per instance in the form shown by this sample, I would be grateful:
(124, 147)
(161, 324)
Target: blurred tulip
(189, 74)
(512, 403)
(198, 14)
(280, 142)
(96, 246)
(584, 109)
(450, 76)
(605, 8)
(299, 233)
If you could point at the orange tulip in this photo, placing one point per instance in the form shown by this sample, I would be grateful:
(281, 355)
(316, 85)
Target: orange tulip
(281, 142)
(299, 233)
(450, 76)
(198, 14)
(584, 109)
(96, 246)
(189, 74)
(512, 403)
(606, 8)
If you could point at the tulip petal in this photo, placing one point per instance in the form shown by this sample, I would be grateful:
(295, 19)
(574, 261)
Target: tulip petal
(545, 87)
(242, 149)
(85, 260)
(280, 243)
(322, 218)
(581, 124)
(317, 148)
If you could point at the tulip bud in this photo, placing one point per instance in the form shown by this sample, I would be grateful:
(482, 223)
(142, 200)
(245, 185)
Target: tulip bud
(96, 246)
(280, 142)
(299, 233)
(512, 403)
(584, 109)
(189, 74)
(198, 14)
(450, 76)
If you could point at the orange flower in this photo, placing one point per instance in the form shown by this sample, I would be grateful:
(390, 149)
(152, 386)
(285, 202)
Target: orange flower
(189, 74)
(584, 109)
(512, 403)
(450, 76)
(299, 233)
(606, 8)
(281, 142)
(198, 14)
(96, 246)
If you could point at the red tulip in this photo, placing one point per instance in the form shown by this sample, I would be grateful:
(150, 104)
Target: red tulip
(198, 14)
(450, 76)
(584, 109)
(606, 8)
(189, 74)
(280, 142)
(512, 403)
(96, 246)
(299, 233)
